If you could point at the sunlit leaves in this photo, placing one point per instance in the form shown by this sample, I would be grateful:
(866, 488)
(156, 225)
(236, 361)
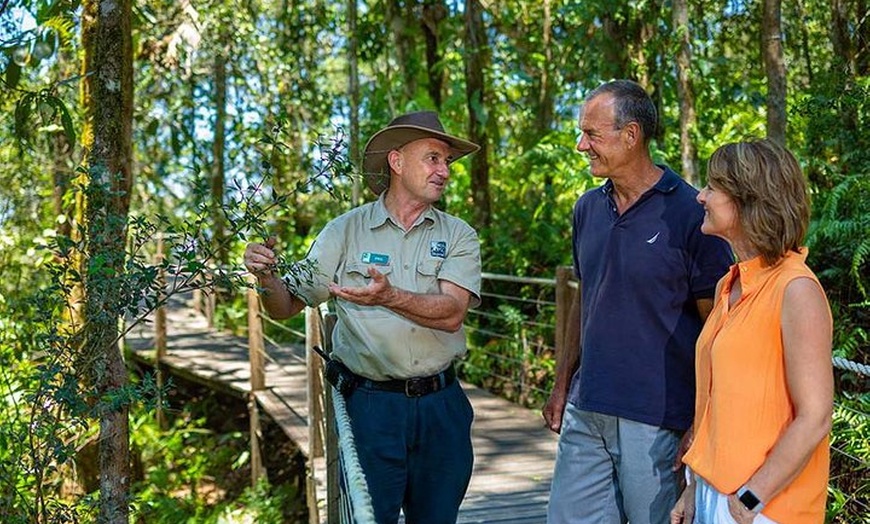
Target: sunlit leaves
(44, 108)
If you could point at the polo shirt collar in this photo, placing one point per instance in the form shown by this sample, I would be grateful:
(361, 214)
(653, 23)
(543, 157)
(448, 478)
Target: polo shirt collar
(666, 183)
(381, 215)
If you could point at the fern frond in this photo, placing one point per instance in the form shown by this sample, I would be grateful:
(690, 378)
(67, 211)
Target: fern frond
(63, 26)
(859, 257)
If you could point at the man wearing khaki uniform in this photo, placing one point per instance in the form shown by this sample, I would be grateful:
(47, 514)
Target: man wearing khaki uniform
(403, 275)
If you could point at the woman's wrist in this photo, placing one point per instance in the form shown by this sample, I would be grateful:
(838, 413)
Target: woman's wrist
(749, 499)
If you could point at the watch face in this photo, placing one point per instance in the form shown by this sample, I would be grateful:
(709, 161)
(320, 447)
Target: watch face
(749, 500)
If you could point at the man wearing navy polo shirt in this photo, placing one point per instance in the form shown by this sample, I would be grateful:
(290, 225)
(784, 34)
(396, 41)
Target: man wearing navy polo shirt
(625, 387)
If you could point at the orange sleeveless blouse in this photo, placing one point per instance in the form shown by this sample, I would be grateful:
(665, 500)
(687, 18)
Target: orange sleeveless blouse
(742, 404)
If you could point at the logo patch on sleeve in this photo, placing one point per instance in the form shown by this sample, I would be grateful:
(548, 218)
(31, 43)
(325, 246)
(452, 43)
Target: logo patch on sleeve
(438, 249)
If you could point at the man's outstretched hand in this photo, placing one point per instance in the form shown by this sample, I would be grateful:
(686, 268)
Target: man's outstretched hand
(378, 292)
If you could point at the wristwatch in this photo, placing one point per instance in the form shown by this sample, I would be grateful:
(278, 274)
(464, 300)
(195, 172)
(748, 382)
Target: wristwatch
(749, 500)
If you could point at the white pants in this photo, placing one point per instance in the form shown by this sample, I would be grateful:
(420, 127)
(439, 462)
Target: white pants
(711, 507)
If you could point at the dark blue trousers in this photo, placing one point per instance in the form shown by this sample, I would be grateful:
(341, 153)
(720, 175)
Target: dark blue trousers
(415, 452)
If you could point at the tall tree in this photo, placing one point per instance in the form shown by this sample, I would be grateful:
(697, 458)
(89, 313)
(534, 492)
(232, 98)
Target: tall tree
(475, 89)
(840, 35)
(800, 14)
(844, 71)
(685, 93)
(107, 96)
(547, 92)
(862, 38)
(434, 11)
(400, 19)
(774, 66)
(218, 182)
(527, 75)
(644, 50)
(616, 62)
(353, 94)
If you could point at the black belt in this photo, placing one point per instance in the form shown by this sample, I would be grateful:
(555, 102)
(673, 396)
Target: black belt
(414, 387)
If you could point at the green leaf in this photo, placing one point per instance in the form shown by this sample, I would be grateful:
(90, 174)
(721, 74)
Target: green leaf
(65, 118)
(13, 74)
(22, 114)
(151, 128)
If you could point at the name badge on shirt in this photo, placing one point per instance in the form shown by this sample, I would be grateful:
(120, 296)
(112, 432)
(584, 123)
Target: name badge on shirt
(438, 249)
(378, 259)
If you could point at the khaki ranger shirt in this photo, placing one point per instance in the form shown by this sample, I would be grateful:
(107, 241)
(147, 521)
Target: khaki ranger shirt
(373, 341)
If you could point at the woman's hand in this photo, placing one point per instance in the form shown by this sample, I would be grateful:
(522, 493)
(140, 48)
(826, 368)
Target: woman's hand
(738, 511)
(684, 509)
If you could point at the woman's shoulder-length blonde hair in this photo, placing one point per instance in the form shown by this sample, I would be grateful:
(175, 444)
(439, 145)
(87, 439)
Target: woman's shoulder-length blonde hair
(769, 189)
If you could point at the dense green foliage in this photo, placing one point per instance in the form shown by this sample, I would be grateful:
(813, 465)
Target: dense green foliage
(285, 170)
(192, 473)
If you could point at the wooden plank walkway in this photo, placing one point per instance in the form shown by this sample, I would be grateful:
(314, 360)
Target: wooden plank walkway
(514, 453)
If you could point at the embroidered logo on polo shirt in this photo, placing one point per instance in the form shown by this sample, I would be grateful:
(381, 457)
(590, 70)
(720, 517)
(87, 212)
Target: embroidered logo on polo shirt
(652, 239)
(378, 259)
(438, 249)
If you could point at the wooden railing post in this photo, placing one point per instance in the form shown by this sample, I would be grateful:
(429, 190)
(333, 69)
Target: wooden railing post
(313, 337)
(160, 330)
(333, 490)
(197, 294)
(210, 304)
(256, 344)
(256, 349)
(564, 298)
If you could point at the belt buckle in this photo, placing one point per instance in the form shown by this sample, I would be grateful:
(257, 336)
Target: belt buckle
(415, 387)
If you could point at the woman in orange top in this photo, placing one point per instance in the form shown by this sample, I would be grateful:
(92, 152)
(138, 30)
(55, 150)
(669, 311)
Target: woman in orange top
(763, 360)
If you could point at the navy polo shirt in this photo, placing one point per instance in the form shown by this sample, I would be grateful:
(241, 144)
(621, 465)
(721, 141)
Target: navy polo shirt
(641, 273)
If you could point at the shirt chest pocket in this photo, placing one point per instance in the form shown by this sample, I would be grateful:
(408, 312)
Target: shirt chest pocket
(357, 274)
(427, 276)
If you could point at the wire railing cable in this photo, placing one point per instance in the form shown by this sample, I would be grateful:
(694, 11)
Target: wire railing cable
(282, 327)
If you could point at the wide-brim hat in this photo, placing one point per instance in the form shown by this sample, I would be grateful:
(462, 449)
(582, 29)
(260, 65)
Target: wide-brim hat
(400, 131)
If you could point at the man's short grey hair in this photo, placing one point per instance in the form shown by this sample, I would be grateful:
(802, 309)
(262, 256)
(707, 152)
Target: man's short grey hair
(632, 104)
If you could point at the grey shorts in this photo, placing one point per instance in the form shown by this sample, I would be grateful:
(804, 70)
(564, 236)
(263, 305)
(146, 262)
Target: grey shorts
(611, 470)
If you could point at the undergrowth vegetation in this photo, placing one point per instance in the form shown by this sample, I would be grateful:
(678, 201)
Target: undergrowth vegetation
(197, 470)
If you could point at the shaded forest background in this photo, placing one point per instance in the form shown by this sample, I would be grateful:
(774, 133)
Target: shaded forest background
(214, 122)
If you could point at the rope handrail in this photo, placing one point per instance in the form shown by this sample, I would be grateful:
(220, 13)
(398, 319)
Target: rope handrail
(358, 502)
(848, 365)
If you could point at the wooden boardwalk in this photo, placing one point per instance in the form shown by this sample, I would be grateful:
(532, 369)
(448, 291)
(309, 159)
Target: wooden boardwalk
(514, 453)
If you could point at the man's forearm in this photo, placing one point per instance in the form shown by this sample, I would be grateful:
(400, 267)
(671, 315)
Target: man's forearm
(436, 311)
(276, 298)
